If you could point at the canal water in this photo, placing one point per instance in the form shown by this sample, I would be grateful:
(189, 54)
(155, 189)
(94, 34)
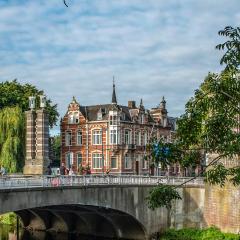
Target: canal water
(9, 233)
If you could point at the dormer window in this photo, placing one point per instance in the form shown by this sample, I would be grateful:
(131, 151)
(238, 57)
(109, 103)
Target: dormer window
(73, 118)
(99, 115)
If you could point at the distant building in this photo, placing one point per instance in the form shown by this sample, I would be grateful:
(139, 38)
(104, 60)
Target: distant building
(112, 137)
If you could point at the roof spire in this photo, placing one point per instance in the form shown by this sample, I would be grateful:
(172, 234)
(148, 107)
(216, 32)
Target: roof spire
(114, 98)
(163, 103)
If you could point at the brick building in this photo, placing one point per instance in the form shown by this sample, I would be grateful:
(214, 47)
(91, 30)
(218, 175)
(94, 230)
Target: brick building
(112, 137)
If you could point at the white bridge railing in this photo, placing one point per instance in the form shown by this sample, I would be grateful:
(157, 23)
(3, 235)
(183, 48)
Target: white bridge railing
(16, 182)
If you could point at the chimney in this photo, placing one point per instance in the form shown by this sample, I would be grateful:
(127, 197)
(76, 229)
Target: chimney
(131, 104)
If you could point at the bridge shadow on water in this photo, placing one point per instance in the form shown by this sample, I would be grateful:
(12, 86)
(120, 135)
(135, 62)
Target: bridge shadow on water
(73, 222)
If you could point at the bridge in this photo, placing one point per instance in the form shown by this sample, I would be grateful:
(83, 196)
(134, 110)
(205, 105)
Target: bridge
(108, 206)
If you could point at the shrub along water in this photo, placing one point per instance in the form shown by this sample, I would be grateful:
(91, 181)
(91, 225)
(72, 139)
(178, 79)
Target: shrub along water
(211, 233)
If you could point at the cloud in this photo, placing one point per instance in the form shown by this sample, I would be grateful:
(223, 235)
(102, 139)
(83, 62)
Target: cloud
(153, 48)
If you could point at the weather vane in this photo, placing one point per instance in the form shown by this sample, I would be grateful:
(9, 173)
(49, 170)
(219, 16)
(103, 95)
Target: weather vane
(64, 1)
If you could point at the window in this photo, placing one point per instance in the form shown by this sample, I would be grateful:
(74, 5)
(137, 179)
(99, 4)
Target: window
(113, 136)
(79, 137)
(127, 136)
(142, 118)
(113, 120)
(138, 138)
(97, 160)
(79, 159)
(68, 138)
(145, 138)
(127, 162)
(99, 115)
(144, 162)
(97, 137)
(69, 159)
(73, 118)
(113, 162)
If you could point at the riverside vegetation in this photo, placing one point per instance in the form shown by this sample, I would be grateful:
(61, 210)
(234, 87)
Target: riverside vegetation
(211, 233)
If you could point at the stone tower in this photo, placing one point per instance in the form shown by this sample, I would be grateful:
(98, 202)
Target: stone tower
(37, 138)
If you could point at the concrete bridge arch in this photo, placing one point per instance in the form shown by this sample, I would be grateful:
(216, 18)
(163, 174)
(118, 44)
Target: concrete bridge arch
(113, 211)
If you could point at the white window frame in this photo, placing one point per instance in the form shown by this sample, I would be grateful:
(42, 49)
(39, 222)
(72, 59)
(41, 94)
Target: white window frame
(68, 140)
(127, 140)
(73, 118)
(139, 138)
(115, 162)
(127, 162)
(145, 138)
(113, 136)
(96, 137)
(97, 161)
(99, 116)
(113, 119)
(79, 136)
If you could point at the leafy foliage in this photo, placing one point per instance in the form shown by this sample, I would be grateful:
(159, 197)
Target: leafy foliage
(232, 56)
(168, 194)
(197, 234)
(210, 124)
(56, 148)
(15, 94)
(12, 138)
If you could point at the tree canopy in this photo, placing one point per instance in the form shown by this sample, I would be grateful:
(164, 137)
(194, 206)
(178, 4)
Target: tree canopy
(13, 103)
(15, 94)
(210, 124)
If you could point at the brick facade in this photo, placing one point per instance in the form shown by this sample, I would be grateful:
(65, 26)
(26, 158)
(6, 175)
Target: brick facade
(37, 139)
(111, 137)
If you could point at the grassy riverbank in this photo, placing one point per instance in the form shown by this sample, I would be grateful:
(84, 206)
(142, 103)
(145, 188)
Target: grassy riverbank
(211, 233)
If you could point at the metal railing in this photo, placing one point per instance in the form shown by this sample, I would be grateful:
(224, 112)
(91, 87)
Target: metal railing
(8, 182)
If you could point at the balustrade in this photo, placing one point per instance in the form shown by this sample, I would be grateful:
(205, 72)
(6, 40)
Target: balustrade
(8, 182)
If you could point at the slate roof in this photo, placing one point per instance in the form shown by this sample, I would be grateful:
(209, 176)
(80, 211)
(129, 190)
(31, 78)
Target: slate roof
(90, 112)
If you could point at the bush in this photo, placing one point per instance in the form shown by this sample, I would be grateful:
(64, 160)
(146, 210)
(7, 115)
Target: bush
(211, 233)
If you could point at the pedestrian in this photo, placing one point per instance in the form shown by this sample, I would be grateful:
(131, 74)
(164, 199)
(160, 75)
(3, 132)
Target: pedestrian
(49, 170)
(62, 169)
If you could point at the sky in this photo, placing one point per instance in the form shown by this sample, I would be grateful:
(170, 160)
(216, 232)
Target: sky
(153, 48)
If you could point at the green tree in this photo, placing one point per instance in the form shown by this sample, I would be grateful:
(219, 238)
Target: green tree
(12, 142)
(15, 94)
(211, 123)
(13, 103)
(56, 150)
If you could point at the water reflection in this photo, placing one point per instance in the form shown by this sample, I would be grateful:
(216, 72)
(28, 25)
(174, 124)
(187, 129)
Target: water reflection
(9, 233)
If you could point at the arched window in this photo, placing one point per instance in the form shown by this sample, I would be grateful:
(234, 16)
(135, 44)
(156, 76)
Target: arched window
(138, 138)
(79, 137)
(68, 138)
(69, 159)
